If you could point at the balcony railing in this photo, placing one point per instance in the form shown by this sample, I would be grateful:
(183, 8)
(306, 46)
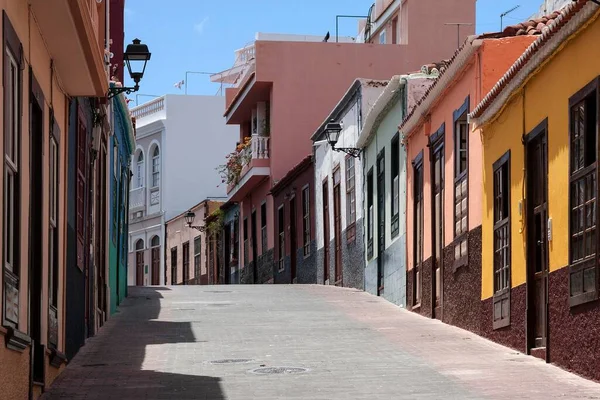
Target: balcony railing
(149, 108)
(259, 146)
(137, 198)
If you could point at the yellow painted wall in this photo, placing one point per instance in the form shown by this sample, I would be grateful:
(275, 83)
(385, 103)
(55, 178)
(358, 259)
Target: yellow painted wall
(545, 95)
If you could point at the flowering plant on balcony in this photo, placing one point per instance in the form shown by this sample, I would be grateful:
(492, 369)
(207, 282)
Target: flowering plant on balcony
(235, 162)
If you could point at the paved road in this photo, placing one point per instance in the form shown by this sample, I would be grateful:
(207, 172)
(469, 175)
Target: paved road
(164, 341)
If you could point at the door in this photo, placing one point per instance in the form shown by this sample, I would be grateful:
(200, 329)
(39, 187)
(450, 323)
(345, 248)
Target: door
(537, 243)
(139, 268)
(380, 223)
(293, 236)
(155, 265)
(337, 226)
(326, 251)
(437, 188)
(254, 249)
(36, 252)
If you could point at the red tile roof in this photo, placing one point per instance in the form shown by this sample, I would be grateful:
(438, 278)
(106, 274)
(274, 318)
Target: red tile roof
(531, 27)
(291, 175)
(552, 26)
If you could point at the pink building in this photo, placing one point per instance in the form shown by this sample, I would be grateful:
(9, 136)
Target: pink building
(285, 89)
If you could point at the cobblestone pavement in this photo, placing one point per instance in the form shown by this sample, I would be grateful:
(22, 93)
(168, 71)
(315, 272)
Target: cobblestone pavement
(164, 342)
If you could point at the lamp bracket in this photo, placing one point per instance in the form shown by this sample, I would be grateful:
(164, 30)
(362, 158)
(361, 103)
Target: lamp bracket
(198, 228)
(351, 151)
(115, 91)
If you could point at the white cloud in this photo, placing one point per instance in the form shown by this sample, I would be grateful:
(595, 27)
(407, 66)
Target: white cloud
(199, 27)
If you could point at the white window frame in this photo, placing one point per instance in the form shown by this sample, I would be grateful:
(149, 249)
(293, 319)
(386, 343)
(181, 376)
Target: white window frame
(156, 167)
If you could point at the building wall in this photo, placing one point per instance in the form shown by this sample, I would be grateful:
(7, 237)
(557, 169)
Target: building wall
(537, 100)
(179, 233)
(195, 130)
(394, 257)
(306, 267)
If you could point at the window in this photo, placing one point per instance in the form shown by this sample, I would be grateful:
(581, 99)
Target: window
(263, 227)
(418, 234)
(155, 167)
(395, 31)
(281, 236)
(395, 185)
(370, 214)
(501, 240)
(306, 220)
(382, 37)
(186, 263)
(12, 196)
(350, 199)
(53, 236)
(197, 254)
(174, 266)
(583, 251)
(140, 170)
(461, 201)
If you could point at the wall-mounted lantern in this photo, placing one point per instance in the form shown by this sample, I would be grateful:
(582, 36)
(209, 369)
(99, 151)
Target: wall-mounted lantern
(332, 132)
(136, 57)
(189, 220)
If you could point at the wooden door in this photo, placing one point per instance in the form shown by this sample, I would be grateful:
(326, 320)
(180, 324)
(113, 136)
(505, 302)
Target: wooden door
(380, 223)
(337, 226)
(326, 252)
(537, 243)
(437, 194)
(293, 237)
(156, 266)
(139, 268)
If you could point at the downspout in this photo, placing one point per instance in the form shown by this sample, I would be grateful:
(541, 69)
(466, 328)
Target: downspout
(523, 216)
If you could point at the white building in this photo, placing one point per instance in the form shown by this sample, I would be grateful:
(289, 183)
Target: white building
(338, 190)
(180, 141)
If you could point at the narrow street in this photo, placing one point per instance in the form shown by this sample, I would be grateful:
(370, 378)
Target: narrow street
(206, 342)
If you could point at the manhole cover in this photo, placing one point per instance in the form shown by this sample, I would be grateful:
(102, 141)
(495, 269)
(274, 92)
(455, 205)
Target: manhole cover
(218, 291)
(279, 370)
(94, 365)
(218, 304)
(231, 361)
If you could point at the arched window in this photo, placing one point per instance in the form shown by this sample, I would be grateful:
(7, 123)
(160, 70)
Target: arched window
(155, 242)
(139, 245)
(155, 167)
(140, 170)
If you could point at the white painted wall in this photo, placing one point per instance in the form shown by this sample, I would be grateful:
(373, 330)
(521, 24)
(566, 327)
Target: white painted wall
(326, 160)
(196, 142)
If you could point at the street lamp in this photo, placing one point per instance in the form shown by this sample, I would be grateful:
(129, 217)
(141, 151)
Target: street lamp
(189, 220)
(136, 56)
(332, 132)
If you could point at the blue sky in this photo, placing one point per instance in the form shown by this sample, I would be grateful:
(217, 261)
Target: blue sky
(201, 35)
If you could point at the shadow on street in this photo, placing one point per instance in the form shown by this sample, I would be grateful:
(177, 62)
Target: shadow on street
(111, 364)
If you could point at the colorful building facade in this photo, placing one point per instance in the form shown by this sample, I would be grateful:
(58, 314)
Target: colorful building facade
(539, 124)
(444, 181)
(384, 189)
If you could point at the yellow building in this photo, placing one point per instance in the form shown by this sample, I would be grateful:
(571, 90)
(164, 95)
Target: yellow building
(540, 165)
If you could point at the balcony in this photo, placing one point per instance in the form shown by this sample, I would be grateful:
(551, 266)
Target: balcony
(149, 108)
(137, 199)
(74, 32)
(255, 167)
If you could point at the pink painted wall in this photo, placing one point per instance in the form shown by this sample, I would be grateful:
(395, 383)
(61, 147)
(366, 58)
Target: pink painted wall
(484, 69)
(251, 202)
(310, 78)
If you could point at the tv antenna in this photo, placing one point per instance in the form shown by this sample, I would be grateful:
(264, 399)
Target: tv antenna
(458, 25)
(504, 14)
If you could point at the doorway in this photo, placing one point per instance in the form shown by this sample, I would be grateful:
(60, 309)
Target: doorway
(293, 236)
(537, 238)
(155, 260)
(437, 220)
(380, 222)
(337, 226)
(254, 249)
(36, 252)
(326, 251)
(139, 263)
